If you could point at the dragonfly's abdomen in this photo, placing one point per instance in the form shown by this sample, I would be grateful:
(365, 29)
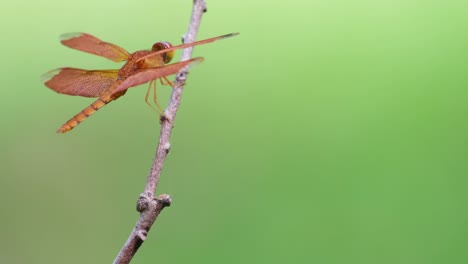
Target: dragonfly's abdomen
(91, 109)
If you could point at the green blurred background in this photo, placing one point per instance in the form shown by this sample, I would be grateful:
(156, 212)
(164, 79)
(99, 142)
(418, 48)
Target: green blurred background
(327, 132)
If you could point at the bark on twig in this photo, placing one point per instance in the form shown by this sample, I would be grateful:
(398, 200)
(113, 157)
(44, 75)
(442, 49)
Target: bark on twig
(148, 205)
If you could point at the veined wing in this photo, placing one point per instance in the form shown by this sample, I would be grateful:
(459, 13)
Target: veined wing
(93, 45)
(80, 82)
(187, 45)
(146, 75)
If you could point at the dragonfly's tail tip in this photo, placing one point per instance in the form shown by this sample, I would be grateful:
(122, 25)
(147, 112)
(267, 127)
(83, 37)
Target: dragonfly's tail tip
(63, 129)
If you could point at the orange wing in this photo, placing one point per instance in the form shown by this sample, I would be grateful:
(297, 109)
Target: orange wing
(146, 75)
(93, 45)
(191, 44)
(80, 82)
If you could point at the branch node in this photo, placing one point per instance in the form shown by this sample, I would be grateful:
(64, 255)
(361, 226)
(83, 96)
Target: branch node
(167, 147)
(181, 77)
(162, 118)
(142, 234)
(164, 199)
(143, 201)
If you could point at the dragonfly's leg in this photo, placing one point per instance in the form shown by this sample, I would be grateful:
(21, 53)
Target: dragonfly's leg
(168, 82)
(155, 98)
(147, 95)
(163, 116)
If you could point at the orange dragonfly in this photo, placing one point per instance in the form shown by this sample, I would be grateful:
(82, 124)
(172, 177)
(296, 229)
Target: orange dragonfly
(141, 67)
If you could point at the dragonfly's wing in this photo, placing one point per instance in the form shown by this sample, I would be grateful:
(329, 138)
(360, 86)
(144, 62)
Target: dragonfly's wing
(146, 75)
(187, 45)
(80, 82)
(93, 45)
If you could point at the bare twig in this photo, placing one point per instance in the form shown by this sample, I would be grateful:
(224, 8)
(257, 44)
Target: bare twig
(149, 206)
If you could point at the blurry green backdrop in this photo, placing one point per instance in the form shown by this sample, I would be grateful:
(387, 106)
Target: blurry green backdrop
(328, 131)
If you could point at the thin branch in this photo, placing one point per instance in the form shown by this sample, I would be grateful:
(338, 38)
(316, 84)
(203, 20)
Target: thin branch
(149, 206)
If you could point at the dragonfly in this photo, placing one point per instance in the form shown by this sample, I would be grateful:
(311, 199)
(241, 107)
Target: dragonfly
(108, 85)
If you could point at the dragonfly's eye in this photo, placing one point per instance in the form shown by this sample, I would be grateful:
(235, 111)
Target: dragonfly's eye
(167, 57)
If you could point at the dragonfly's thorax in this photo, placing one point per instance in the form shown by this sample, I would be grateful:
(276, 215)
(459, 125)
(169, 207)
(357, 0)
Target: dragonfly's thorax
(132, 65)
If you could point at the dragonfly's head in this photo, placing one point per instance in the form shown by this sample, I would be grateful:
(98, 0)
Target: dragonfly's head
(167, 56)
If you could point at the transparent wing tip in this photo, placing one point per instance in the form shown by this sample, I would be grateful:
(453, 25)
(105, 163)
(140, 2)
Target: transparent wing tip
(193, 62)
(230, 35)
(71, 35)
(196, 61)
(49, 75)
